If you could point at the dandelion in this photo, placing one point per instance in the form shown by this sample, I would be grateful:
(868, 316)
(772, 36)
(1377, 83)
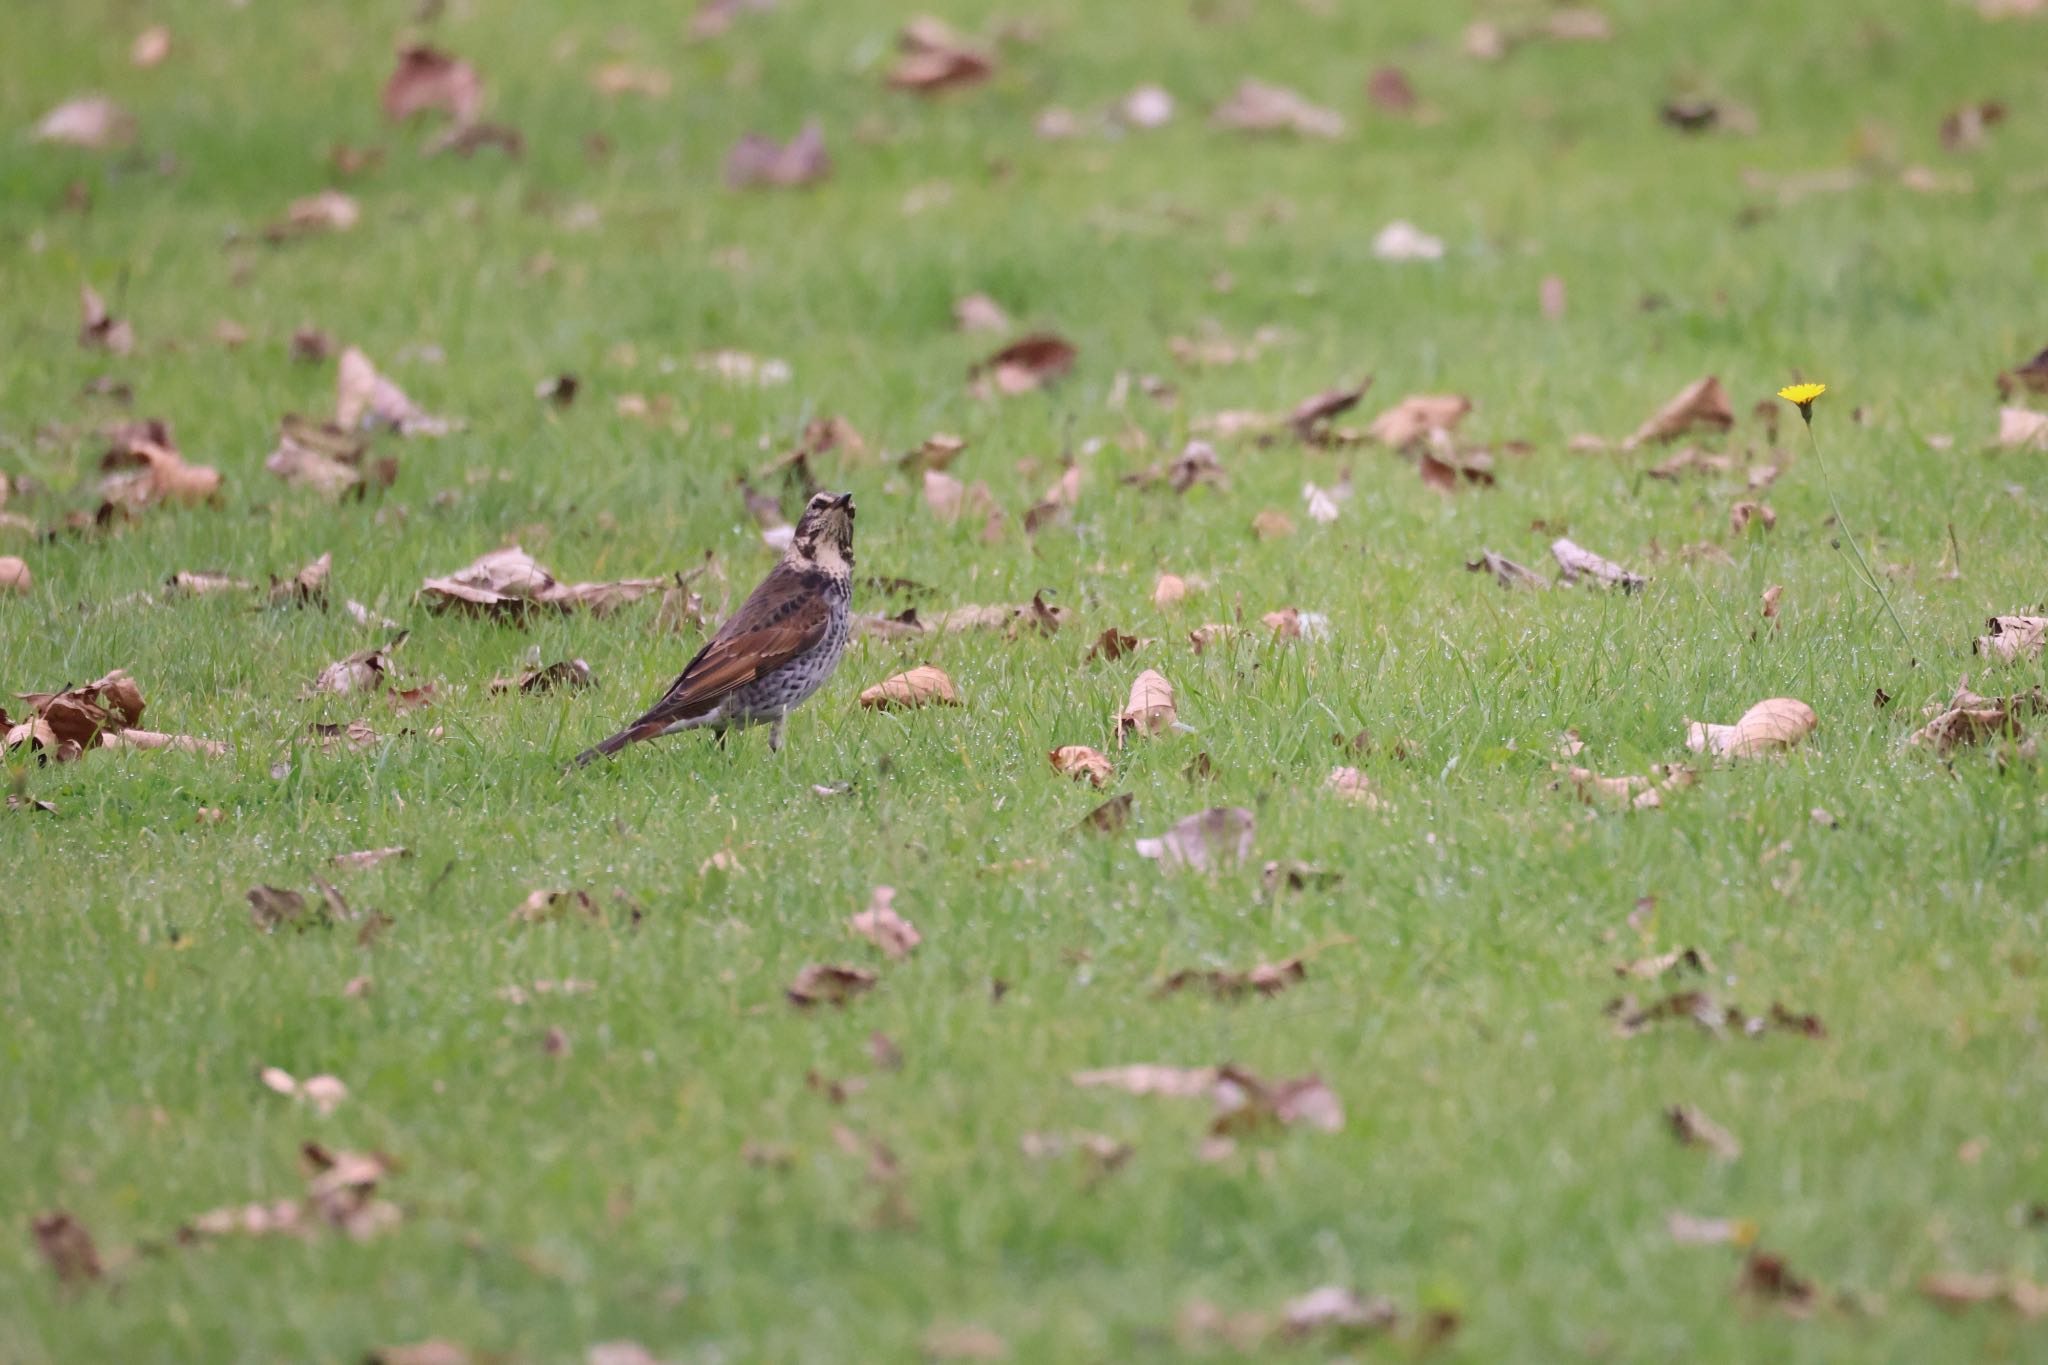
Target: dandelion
(1802, 396)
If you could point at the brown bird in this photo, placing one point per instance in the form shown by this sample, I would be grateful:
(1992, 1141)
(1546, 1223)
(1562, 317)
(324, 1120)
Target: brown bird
(776, 650)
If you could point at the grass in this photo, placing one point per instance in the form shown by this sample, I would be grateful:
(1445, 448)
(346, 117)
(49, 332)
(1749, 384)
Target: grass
(1504, 1155)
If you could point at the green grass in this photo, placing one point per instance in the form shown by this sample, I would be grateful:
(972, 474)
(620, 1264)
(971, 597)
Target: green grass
(1504, 1155)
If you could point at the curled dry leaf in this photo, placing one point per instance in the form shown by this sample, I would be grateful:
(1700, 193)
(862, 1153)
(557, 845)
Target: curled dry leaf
(1268, 978)
(1210, 838)
(2022, 429)
(1578, 562)
(1310, 420)
(2012, 638)
(1506, 572)
(829, 984)
(1150, 709)
(100, 330)
(148, 470)
(1633, 792)
(1148, 106)
(323, 1094)
(1113, 644)
(328, 211)
(151, 739)
(758, 160)
(1256, 107)
(1389, 90)
(325, 457)
(1745, 514)
(1109, 817)
(369, 857)
(1351, 785)
(1768, 726)
(1765, 1276)
(93, 122)
(366, 400)
(304, 588)
(980, 313)
(1702, 403)
(1401, 240)
(1771, 597)
(1169, 590)
(2032, 377)
(1694, 1129)
(1272, 524)
(1335, 1309)
(1292, 623)
(935, 59)
(921, 686)
(362, 671)
(510, 582)
(1413, 418)
(1689, 1230)
(572, 675)
(1080, 762)
(1024, 365)
(428, 79)
(14, 574)
(1967, 718)
(66, 1246)
(192, 583)
(880, 925)
(1321, 503)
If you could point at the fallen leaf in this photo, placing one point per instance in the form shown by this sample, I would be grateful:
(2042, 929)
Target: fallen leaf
(306, 587)
(1688, 1230)
(935, 59)
(2012, 638)
(1389, 90)
(328, 211)
(369, 857)
(880, 925)
(1506, 572)
(1743, 515)
(1771, 597)
(1578, 562)
(936, 451)
(1150, 710)
(323, 1094)
(979, 313)
(1550, 297)
(66, 1246)
(1078, 761)
(1148, 106)
(1257, 107)
(79, 716)
(433, 1351)
(1955, 1290)
(366, 400)
(829, 984)
(1638, 793)
(1113, 644)
(151, 739)
(1650, 968)
(198, 584)
(758, 160)
(617, 78)
(1694, 1129)
(921, 686)
(1334, 1309)
(14, 574)
(1109, 817)
(1292, 623)
(1413, 418)
(1169, 590)
(1209, 838)
(94, 122)
(1148, 1079)
(100, 330)
(270, 906)
(363, 671)
(571, 675)
(1964, 128)
(2021, 429)
(1401, 240)
(1779, 723)
(1967, 718)
(1310, 420)
(1322, 504)
(1025, 364)
(1702, 403)
(1296, 876)
(428, 79)
(509, 583)
(1267, 978)
(1272, 524)
(148, 472)
(1766, 1276)
(2031, 377)
(1354, 786)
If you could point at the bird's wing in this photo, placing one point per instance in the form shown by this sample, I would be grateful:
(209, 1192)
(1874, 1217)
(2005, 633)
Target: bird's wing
(783, 618)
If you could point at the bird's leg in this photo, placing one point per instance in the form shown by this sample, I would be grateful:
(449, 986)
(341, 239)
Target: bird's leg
(775, 734)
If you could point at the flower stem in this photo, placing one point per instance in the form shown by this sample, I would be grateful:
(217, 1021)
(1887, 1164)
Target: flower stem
(1862, 563)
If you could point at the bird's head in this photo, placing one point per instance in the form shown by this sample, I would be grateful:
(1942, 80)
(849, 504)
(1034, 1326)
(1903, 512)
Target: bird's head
(824, 533)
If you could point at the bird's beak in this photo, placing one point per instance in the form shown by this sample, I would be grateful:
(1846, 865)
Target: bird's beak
(846, 502)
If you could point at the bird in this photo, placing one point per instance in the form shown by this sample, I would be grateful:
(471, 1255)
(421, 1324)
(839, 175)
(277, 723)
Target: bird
(775, 651)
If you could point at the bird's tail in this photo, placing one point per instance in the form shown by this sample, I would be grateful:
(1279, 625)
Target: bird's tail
(630, 735)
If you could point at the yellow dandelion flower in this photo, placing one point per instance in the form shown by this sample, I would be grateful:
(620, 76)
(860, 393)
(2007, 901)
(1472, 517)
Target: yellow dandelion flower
(1803, 395)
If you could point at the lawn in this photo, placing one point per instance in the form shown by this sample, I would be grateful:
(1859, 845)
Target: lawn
(657, 1145)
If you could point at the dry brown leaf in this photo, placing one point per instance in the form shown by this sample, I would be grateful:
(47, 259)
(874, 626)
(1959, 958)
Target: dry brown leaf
(323, 456)
(2012, 638)
(366, 400)
(921, 686)
(1150, 710)
(1336, 1310)
(1148, 1079)
(1113, 644)
(1268, 978)
(758, 160)
(945, 495)
(617, 78)
(1025, 364)
(571, 675)
(950, 1341)
(94, 122)
(193, 583)
(510, 582)
(66, 1246)
(363, 671)
(1256, 107)
(1351, 785)
(1079, 762)
(148, 473)
(2031, 377)
(979, 313)
(427, 79)
(1694, 1129)
(81, 715)
(1689, 1230)
(323, 1094)
(1415, 417)
(2021, 429)
(1769, 726)
(1772, 596)
(1967, 718)
(306, 587)
(1766, 1276)
(150, 48)
(1743, 515)
(935, 59)
(1109, 817)
(1169, 590)
(1389, 90)
(1506, 572)
(1578, 562)
(328, 211)
(151, 739)
(1633, 792)
(829, 984)
(1702, 403)
(1272, 524)
(880, 925)
(545, 904)
(1310, 420)
(1401, 240)
(14, 574)
(1210, 838)
(369, 857)
(100, 330)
